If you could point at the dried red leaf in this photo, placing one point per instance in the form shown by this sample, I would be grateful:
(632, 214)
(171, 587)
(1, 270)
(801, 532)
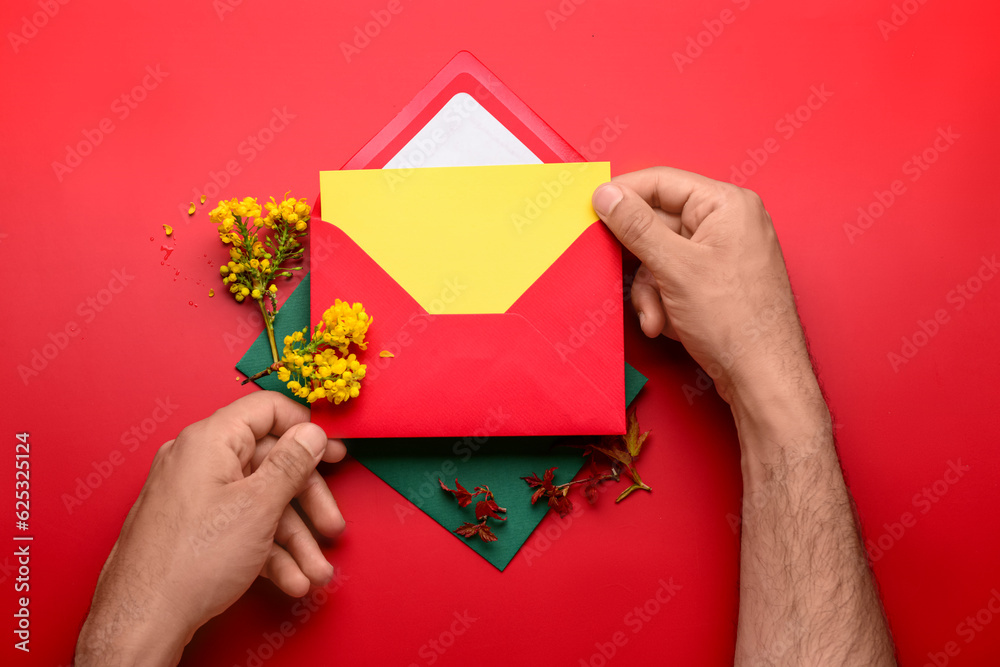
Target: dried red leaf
(461, 493)
(590, 491)
(486, 509)
(544, 488)
(561, 504)
(489, 508)
(533, 481)
(545, 481)
(591, 462)
(481, 529)
(617, 452)
(468, 529)
(485, 534)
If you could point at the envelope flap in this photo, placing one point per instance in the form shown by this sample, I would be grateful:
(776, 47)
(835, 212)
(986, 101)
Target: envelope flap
(585, 332)
(342, 270)
(464, 74)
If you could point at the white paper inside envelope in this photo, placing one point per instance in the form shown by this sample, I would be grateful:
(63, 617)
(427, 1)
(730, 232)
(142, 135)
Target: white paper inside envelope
(462, 134)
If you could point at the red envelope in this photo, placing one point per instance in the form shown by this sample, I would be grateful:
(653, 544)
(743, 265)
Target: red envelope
(552, 364)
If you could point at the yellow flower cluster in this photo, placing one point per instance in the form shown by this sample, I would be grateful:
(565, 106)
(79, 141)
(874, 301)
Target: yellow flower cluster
(312, 368)
(292, 212)
(344, 324)
(254, 263)
(262, 247)
(228, 213)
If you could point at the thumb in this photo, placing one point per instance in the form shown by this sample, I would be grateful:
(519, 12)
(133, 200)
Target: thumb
(636, 225)
(286, 468)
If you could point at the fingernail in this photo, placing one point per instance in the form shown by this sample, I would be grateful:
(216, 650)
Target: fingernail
(312, 438)
(606, 197)
(642, 319)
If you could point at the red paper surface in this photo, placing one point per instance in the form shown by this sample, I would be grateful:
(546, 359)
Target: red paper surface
(264, 98)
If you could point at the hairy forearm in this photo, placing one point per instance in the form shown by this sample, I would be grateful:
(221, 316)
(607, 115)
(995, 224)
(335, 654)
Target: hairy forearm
(123, 628)
(107, 641)
(807, 595)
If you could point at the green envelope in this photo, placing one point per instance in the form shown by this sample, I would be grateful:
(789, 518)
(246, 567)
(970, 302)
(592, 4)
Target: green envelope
(412, 466)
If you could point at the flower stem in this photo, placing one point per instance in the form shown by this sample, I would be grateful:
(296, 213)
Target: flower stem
(267, 371)
(270, 330)
(597, 478)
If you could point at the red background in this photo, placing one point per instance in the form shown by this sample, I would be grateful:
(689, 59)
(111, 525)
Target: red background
(61, 240)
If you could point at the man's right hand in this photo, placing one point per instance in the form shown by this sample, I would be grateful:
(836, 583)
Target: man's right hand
(712, 276)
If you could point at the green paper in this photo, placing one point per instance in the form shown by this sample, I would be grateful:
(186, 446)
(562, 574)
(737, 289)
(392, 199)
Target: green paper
(634, 381)
(293, 316)
(412, 466)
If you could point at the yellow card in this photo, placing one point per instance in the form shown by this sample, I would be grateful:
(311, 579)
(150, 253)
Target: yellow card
(484, 234)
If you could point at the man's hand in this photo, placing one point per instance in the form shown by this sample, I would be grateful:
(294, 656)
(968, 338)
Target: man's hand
(213, 515)
(712, 274)
(713, 277)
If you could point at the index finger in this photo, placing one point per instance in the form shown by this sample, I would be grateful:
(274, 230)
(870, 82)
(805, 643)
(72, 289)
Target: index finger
(266, 412)
(675, 191)
(246, 420)
(665, 188)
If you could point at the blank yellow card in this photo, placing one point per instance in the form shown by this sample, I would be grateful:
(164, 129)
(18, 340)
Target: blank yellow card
(484, 234)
